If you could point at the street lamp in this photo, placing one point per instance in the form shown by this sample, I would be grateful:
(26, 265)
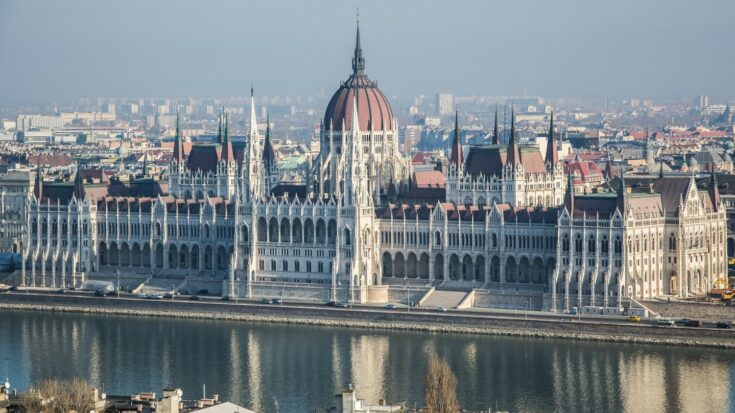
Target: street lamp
(118, 282)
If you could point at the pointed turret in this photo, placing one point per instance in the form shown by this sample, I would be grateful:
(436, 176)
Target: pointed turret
(569, 195)
(269, 155)
(145, 164)
(552, 154)
(456, 156)
(227, 154)
(38, 186)
(358, 62)
(661, 170)
(514, 156)
(714, 192)
(253, 132)
(609, 168)
(178, 144)
(496, 137)
(79, 192)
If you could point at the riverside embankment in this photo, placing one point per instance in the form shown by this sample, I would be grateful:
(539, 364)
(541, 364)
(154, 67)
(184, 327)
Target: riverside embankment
(605, 330)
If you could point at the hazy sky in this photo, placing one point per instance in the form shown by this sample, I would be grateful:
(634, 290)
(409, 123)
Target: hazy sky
(62, 50)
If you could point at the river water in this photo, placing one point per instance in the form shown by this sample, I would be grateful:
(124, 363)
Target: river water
(293, 369)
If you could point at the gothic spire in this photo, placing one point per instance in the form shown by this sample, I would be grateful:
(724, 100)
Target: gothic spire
(38, 187)
(496, 137)
(219, 128)
(552, 154)
(269, 155)
(456, 156)
(253, 132)
(178, 143)
(569, 195)
(227, 154)
(145, 164)
(514, 156)
(358, 62)
(714, 192)
(79, 184)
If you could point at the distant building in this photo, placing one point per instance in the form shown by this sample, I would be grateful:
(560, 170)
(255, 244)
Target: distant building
(700, 102)
(444, 104)
(15, 190)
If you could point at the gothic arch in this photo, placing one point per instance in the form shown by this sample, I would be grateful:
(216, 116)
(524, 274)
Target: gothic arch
(439, 267)
(454, 267)
(262, 230)
(480, 269)
(273, 230)
(411, 265)
(467, 268)
(285, 230)
(399, 266)
(387, 265)
(423, 271)
(297, 234)
(511, 270)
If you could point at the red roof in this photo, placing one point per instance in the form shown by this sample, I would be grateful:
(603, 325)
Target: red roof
(428, 179)
(373, 108)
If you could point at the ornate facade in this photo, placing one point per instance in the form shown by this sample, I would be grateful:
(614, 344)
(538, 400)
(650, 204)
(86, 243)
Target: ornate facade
(507, 223)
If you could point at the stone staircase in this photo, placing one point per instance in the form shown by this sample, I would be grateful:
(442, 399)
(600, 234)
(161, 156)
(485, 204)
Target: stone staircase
(444, 298)
(159, 285)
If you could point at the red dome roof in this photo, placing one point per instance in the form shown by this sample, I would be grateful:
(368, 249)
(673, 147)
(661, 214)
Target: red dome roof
(373, 108)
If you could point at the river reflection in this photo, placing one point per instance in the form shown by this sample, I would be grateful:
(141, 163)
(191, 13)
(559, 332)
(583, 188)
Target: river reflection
(301, 368)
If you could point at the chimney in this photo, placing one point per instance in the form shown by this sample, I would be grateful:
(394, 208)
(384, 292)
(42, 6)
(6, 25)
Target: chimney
(170, 401)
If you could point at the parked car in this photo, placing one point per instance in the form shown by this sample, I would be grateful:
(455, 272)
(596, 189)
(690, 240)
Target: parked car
(225, 298)
(61, 291)
(194, 298)
(665, 321)
(276, 301)
(331, 303)
(168, 295)
(341, 305)
(265, 300)
(99, 293)
(682, 322)
(634, 318)
(441, 309)
(723, 324)
(390, 306)
(694, 323)
(145, 296)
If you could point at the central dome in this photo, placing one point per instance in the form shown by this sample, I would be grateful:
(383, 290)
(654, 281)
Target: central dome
(374, 112)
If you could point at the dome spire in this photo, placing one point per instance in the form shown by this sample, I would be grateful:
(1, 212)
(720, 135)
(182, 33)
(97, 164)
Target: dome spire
(358, 62)
(496, 137)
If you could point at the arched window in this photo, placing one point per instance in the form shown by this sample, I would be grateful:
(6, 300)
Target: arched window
(565, 243)
(437, 238)
(618, 245)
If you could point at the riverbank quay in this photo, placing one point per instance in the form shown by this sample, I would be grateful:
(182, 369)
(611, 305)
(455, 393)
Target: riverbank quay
(540, 326)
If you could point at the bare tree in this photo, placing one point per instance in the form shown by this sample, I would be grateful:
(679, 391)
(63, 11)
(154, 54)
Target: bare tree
(440, 387)
(57, 396)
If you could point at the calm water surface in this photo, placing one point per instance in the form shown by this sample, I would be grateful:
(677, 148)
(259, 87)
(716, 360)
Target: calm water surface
(293, 369)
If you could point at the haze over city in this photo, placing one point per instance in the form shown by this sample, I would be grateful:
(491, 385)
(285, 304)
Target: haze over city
(61, 51)
(367, 206)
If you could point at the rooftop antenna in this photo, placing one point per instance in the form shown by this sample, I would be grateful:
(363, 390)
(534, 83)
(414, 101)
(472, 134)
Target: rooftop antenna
(204, 391)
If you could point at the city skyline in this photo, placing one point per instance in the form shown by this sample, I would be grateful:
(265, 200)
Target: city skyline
(565, 50)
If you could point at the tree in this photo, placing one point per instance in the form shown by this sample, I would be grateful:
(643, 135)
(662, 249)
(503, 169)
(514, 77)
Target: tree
(52, 396)
(440, 387)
